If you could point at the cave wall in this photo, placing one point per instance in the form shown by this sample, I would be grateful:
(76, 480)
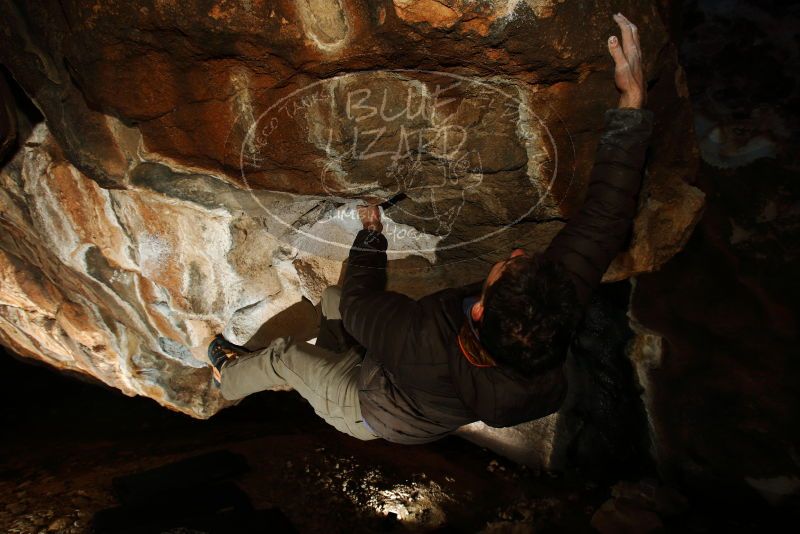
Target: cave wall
(198, 163)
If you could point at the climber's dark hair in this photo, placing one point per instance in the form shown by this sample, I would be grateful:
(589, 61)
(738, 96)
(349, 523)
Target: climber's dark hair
(529, 315)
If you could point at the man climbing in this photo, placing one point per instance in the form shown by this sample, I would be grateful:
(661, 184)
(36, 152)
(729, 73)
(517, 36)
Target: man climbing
(490, 351)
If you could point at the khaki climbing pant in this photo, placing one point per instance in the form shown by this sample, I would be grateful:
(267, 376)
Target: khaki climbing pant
(326, 379)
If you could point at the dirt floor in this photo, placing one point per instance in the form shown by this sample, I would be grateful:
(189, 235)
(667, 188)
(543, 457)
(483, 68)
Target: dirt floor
(64, 441)
(68, 439)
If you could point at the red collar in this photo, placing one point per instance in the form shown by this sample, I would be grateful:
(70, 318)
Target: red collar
(472, 349)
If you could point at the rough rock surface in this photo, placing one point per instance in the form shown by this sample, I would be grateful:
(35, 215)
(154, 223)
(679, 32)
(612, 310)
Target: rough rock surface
(199, 162)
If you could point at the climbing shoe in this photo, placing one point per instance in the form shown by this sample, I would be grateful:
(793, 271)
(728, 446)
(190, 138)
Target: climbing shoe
(221, 351)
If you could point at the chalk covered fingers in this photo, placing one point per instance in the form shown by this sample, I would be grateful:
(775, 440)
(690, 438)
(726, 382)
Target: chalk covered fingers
(628, 71)
(370, 218)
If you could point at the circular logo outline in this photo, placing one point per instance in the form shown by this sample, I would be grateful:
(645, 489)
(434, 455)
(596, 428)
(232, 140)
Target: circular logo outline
(471, 80)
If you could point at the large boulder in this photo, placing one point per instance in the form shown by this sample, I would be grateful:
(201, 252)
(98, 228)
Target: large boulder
(199, 162)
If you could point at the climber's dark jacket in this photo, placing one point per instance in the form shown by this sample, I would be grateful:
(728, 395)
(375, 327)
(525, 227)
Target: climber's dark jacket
(415, 385)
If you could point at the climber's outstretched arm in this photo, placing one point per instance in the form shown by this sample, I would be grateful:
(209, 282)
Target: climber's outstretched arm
(594, 236)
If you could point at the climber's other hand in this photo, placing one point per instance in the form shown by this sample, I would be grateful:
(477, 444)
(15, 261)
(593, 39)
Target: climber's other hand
(371, 218)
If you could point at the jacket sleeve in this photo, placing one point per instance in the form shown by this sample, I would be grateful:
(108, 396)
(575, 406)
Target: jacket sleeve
(379, 320)
(592, 238)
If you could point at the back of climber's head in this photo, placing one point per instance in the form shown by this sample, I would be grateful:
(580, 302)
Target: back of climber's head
(527, 312)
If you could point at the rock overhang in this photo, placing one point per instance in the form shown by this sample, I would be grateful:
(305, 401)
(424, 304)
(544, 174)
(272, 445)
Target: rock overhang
(148, 214)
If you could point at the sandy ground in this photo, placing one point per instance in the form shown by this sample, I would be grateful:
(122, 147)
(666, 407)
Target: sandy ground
(66, 440)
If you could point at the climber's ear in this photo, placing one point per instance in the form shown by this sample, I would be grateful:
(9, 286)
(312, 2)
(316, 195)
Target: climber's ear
(477, 311)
